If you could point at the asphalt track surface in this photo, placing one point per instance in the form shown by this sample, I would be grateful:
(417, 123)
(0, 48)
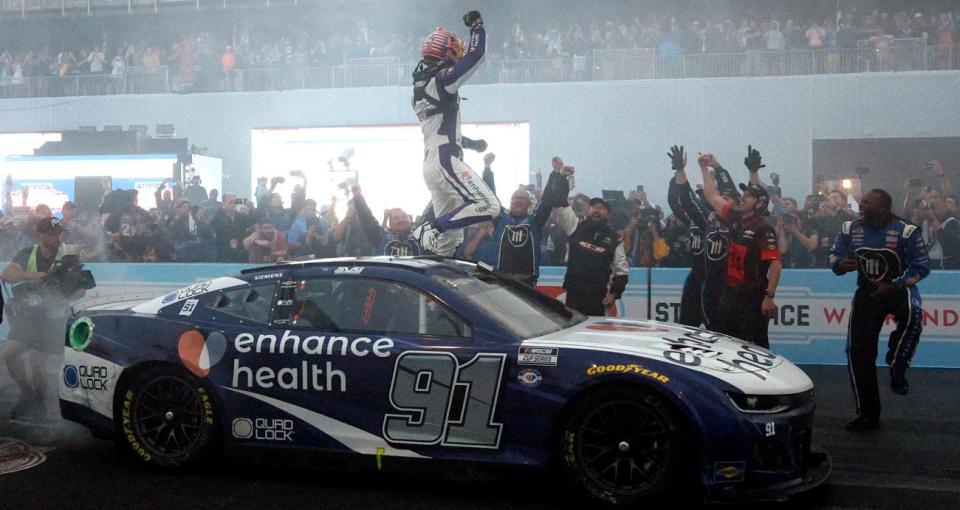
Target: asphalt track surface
(913, 462)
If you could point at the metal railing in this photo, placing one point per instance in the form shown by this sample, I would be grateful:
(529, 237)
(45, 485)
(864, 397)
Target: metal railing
(134, 81)
(601, 65)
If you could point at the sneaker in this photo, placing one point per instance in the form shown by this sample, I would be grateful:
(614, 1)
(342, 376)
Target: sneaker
(863, 424)
(428, 237)
(899, 384)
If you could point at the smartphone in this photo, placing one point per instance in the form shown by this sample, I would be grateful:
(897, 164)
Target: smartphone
(639, 188)
(241, 201)
(531, 187)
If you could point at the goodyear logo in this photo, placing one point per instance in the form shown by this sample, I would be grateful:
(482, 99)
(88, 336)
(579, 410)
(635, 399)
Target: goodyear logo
(627, 369)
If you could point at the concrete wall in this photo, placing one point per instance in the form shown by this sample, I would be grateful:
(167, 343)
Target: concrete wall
(616, 133)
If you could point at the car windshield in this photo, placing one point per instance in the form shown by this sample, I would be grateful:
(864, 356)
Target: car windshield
(522, 310)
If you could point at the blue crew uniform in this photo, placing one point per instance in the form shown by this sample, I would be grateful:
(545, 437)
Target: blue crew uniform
(514, 247)
(894, 254)
(709, 245)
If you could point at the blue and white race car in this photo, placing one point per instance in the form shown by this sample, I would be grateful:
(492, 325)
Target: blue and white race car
(420, 360)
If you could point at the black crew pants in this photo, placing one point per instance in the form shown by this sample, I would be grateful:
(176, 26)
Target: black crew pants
(586, 303)
(690, 301)
(866, 320)
(740, 315)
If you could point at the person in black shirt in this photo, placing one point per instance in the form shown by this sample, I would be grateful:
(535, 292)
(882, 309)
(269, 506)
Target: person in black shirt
(597, 264)
(753, 262)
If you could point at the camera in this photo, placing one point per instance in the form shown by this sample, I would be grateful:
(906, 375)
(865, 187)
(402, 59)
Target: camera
(775, 179)
(913, 182)
(278, 180)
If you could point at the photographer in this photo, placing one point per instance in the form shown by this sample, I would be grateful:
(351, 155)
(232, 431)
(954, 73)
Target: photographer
(307, 222)
(797, 241)
(648, 247)
(38, 312)
(266, 245)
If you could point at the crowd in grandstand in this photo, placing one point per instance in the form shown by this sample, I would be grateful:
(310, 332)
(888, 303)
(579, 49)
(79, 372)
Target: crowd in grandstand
(192, 224)
(249, 45)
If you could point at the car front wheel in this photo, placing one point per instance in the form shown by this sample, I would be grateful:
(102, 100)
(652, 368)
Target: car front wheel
(167, 418)
(623, 446)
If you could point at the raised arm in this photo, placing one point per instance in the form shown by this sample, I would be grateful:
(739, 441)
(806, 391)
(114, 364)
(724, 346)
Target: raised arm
(453, 77)
(710, 191)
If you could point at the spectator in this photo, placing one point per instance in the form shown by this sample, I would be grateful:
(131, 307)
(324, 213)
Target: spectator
(8, 237)
(297, 234)
(117, 65)
(86, 235)
(647, 245)
(815, 36)
(274, 212)
(677, 236)
(230, 225)
(189, 232)
(127, 228)
(774, 38)
(266, 244)
(797, 241)
(194, 192)
(941, 234)
(826, 223)
(228, 61)
(210, 206)
(96, 59)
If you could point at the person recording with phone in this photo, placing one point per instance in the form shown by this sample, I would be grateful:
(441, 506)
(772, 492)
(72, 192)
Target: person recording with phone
(231, 224)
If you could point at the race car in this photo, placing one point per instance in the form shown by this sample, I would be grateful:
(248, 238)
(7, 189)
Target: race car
(421, 360)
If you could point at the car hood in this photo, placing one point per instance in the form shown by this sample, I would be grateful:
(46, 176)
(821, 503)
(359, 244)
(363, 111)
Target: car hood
(751, 369)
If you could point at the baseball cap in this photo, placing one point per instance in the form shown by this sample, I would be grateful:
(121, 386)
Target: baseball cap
(758, 192)
(49, 226)
(598, 200)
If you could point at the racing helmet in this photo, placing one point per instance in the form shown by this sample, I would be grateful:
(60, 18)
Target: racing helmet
(441, 46)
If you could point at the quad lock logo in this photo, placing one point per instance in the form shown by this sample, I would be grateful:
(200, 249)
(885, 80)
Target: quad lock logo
(263, 429)
(86, 377)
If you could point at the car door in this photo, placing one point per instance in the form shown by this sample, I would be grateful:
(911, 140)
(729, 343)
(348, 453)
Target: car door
(407, 374)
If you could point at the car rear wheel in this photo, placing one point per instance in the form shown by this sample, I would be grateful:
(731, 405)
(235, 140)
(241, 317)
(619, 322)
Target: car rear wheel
(623, 446)
(166, 417)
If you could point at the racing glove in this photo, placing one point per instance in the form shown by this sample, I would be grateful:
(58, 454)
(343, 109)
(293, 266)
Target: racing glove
(479, 145)
(677, 157)
(753, 160)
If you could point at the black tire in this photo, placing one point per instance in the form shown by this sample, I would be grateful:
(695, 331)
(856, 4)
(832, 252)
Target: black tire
(166, 418)
(623, 446)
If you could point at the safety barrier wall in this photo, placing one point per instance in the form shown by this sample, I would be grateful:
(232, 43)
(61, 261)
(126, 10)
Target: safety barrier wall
(810, 328)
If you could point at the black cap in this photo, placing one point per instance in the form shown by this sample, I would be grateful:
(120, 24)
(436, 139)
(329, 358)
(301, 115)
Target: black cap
(598, 200)
(758, 192)
(49, 226)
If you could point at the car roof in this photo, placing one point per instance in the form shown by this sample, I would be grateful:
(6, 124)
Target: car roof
(420, 264)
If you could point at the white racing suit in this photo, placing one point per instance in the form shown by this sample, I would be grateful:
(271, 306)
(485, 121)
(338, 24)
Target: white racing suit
(459, 197)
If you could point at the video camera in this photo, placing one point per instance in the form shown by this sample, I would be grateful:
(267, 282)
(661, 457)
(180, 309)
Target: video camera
(64, 279)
